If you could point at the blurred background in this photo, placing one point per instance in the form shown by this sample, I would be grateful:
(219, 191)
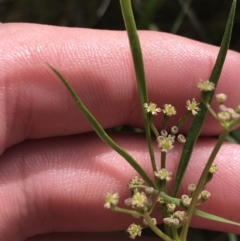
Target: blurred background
(202, 20)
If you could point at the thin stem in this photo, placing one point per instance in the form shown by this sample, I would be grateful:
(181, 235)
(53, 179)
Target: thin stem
(139, 69)
(212, 111)
(163, 183)
(163, 159)
(165, 120)
(201, 182)
(155, 201)
(154, 129)
(183, 120)
(127, 211)
(170, 199)
(175, 234)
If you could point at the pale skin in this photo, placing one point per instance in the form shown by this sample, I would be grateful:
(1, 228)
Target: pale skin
(53, 171)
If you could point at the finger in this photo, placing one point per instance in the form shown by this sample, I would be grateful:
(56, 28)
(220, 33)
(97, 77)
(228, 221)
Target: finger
(98, 64)
(58, 185)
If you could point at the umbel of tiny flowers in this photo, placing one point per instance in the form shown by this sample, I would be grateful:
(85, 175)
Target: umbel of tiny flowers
(227, 114)
(176, 219)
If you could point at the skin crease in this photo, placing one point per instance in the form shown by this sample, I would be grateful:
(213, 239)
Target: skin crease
(53, 171)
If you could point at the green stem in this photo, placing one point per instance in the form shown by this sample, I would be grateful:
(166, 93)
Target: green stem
(163, 183)
(163, 159)
(155, 229)
(165, 120)
(154, 129)
(183, 120)
(211, 111)
(175, 234)
(139, 69)
(200, 185)
(127, 211)
(170, 199)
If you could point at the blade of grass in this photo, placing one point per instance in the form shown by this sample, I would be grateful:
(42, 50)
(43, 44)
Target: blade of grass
(101, 132)
(199, 119)
(139, 69)
(214, 217)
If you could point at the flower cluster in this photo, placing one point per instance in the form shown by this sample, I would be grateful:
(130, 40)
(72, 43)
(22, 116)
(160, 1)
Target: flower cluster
(202, 197)
(227, 114)
(176, 219)
(144, 198)
(165, 141)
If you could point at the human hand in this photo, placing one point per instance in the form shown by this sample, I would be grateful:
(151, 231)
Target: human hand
(53, 171)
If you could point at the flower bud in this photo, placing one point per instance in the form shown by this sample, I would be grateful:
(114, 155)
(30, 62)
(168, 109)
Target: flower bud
(191, 187)
(174, 130)
(221, 98)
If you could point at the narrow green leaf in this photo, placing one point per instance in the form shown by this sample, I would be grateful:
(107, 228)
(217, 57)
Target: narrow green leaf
(101, 132)
(136, 51)
(199, 119)
(214, 217)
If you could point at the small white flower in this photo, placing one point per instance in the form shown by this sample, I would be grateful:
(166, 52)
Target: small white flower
(163, 174)
(224, 116)
(151, 108)
(181, 138)
(193, 106)
(134, 230)
(153, 220)
(221, 98)
(214, 168)
(206, 85)
(205, 194)
(174, 130)
(181, 215)
(111, 199)
(192, 187)
(165, 143)
(136, 181)
(139, 200)
(169, 110)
